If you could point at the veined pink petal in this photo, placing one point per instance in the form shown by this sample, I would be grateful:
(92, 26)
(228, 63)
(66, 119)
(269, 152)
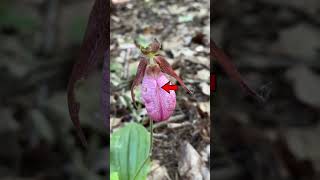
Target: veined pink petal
(159, 103)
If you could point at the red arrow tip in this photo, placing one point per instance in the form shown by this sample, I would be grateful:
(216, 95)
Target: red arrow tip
(167, 87)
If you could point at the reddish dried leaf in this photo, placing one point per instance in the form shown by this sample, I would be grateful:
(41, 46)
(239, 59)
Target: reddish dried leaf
(232, 71)
(95, 44)
(166, 68)
(139, 76)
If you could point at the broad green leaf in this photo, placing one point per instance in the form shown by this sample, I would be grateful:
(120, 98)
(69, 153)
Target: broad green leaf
(130, 147)
(114, 176)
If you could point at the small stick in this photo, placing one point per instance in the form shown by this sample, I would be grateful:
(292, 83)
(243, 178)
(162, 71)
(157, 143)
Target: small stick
(172, 119)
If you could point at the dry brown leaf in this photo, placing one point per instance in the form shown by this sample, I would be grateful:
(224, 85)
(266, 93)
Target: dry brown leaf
(190, 165)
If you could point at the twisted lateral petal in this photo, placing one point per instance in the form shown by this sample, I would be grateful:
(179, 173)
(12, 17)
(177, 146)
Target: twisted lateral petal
(166, 68)
(231, 70)
(139, 75)
(94, 45)
(159, 103)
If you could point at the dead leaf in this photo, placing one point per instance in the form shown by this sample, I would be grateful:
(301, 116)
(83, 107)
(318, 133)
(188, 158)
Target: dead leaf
(190, 164)
(114, 121)
(158, 172)
(203, 74)
(205, 88)
(205, 153)
(292, 42)
(120, 1)
(306, 85)
(204, 107)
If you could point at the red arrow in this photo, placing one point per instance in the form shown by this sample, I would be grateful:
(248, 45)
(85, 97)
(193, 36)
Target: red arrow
(167, 87)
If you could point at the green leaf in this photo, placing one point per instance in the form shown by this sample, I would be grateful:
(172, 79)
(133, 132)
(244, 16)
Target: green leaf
(186, 18)
(143, 41)
(130, 147)
(114, 176)
(116, 67)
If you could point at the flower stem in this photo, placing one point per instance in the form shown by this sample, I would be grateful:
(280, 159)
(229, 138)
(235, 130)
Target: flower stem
(150, 150)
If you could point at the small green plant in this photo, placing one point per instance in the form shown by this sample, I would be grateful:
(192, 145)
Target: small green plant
(130, 148)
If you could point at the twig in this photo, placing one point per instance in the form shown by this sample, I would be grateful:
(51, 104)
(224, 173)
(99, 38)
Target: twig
(172, 119)
(178, 125)
(160, 135)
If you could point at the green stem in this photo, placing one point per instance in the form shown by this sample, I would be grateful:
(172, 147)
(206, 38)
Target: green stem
(151, 136)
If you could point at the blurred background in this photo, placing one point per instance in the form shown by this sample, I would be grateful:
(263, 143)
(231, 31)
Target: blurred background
(182, 144)
(275, 45)
(40, 41)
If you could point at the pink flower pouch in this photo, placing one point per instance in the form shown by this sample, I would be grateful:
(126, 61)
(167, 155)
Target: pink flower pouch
(159, 103)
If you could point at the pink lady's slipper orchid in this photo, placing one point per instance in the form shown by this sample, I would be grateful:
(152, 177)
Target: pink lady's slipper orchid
(151, 73)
